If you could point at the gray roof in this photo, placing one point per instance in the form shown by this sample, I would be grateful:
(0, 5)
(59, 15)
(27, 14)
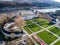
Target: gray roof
(58, 18)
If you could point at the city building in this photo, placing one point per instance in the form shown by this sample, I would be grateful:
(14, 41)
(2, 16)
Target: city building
(45, 16)
(58, 22)
(28, 14)
(23, 40)
(13, 28)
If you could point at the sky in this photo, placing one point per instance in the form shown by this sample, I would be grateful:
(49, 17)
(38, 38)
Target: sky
(48, 0)
(6, 0)
(57, 0)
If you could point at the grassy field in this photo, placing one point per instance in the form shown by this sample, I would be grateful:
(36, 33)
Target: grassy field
(34, 27)
(27, 30)
(38, 19)
(55, 30)
(47, 37)
(42, 22)
(58, 43)
(44, 35)
(35, 40)
(28, 22)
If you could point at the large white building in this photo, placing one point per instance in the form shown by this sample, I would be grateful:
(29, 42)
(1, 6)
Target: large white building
(58, 22)
(28, 14)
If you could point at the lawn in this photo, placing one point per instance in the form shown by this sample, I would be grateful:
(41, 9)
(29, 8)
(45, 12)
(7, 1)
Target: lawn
(58, 43)
(28, 22)
(55, 30)
(35, 40)
(42, 22)
(47, 37)
(38, 19)
(34, 27)
(27, 30)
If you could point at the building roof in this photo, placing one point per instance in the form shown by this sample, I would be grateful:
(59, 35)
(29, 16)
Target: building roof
(24, 12)
(45, 16)
(58, 18)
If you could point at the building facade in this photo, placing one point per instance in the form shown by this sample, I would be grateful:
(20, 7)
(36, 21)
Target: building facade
(58, 22)
(45, 16)
(28, 14)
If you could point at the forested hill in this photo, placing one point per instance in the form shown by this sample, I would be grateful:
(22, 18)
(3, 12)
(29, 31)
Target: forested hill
(23, 4)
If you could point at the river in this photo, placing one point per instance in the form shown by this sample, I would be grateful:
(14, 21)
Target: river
(17, 12)
(47, 10)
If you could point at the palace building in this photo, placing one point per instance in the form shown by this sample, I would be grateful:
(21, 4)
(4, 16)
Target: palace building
(28, 14)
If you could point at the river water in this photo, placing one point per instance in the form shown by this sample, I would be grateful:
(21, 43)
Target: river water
(48, 10)
(17, 12)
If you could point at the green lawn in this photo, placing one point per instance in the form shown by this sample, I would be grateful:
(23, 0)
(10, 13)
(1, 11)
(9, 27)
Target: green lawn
(34, 27)
(27, 30)
(55, 30)
(28, 22)
(47, 37)
(38, 19)
(42, 22)
(58, 43)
